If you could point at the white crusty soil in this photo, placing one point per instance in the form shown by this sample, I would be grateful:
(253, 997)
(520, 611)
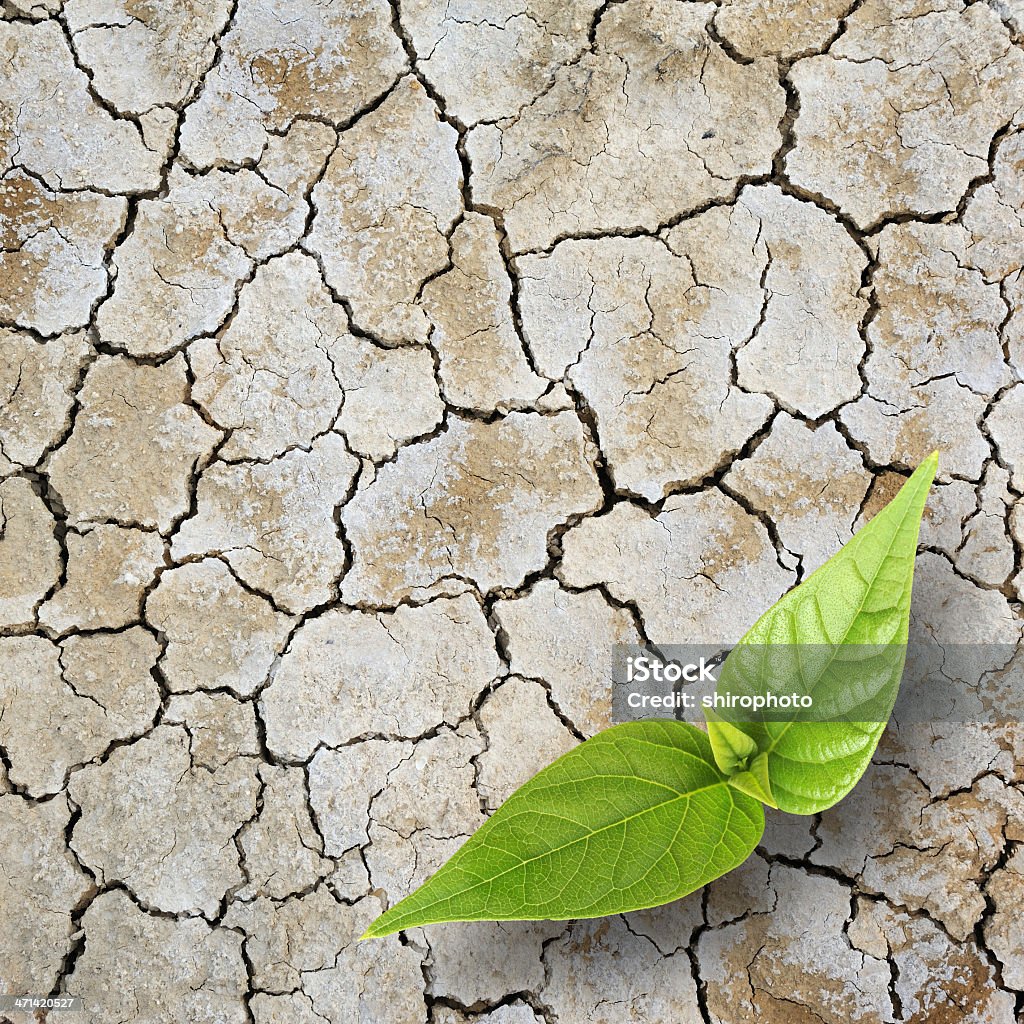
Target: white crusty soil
(369, 367)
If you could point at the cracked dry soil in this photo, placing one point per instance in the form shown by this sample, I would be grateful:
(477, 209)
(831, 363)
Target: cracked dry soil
(367, 369)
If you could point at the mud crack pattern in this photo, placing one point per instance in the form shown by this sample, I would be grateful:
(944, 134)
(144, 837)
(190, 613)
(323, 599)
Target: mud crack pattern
(366, 368)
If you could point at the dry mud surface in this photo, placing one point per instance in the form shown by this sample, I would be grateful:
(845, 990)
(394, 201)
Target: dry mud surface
(367, 368)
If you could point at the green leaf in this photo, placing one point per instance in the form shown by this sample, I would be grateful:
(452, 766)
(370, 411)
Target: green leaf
(754, 781)
(633, 818)
(732, 747)
(842, 633)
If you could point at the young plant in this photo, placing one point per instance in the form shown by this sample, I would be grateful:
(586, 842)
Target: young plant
(647, 812)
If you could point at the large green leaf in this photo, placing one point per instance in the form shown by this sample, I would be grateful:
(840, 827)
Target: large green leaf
(635, 817)
(840, 637)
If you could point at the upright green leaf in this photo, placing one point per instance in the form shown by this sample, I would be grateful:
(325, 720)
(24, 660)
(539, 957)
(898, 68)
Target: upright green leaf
(633, 818)
(841, 637)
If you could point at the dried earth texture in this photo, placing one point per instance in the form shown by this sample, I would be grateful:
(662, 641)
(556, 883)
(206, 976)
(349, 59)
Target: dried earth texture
(368, 368)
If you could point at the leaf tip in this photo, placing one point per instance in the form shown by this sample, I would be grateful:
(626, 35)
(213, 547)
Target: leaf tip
(923, 476)
(379, 927)
(373, 932)
(927, 471)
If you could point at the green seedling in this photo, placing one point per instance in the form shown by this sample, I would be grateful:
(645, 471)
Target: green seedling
(647, 812)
